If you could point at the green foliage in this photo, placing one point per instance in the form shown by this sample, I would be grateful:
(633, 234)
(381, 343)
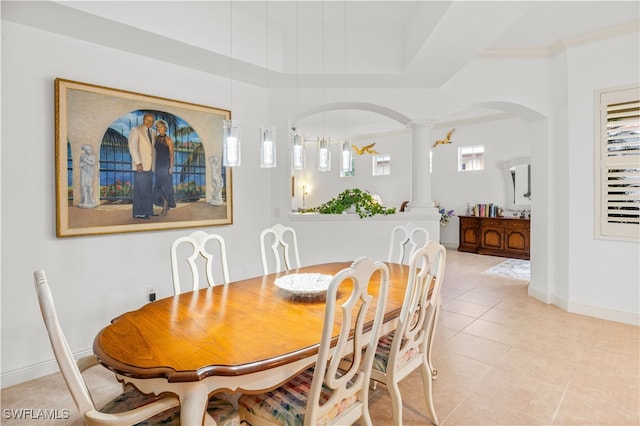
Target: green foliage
(362, 202)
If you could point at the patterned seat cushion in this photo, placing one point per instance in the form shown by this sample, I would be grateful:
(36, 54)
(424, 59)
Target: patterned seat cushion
(382, 354)
(286, 405)
(222, 411)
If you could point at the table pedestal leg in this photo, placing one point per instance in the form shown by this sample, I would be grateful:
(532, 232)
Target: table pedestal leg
(193, 404)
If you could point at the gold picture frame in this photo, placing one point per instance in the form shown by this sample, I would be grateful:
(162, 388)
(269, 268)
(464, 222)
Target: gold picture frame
(95, 174)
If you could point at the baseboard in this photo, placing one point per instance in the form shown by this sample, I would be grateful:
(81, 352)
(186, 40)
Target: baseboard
(34, 371)
(546, 298)
(591, 311)
(453, 245)
(605, 314)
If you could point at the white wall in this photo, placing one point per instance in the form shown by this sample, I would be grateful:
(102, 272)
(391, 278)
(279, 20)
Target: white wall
(94, 279)
(614, 265)
(328, 238)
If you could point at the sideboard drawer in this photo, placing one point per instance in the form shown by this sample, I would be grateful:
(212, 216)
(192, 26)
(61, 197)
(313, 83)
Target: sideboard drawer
(512, 223)
(468, 221)
(491, 222)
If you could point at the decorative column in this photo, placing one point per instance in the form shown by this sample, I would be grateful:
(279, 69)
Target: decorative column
(421, 202)
(420, 173)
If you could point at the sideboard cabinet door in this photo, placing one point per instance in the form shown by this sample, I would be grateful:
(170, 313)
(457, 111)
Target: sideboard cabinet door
(469, 234)
(516, 238)
(492, 235)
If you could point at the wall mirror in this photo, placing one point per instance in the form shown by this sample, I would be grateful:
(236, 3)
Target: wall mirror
(517, 179)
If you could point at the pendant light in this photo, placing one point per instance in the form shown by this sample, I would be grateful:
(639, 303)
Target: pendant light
(268, 132)
(231, 153)
(324, 154)
(268, 147)
(297, 149)
(346, 158)
(296, 137)
(324, 144)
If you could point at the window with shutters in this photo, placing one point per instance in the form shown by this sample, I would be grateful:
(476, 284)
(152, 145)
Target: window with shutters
(618, 158)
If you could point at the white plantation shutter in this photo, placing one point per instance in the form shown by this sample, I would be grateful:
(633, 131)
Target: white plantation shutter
(619, 164)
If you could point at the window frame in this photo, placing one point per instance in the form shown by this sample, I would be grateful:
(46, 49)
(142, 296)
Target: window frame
(474, 158)
(611, 222)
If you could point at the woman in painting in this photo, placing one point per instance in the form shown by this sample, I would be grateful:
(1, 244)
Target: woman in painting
(163, 190)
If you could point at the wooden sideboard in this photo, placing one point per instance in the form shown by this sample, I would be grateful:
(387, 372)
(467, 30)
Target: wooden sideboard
(497, 236)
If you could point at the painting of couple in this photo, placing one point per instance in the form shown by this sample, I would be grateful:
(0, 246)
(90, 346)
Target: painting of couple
(147, 152)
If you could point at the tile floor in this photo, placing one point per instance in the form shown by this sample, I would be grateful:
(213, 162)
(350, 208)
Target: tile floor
(503, 358)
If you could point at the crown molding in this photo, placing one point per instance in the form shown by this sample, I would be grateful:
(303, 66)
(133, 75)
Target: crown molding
(564, 44)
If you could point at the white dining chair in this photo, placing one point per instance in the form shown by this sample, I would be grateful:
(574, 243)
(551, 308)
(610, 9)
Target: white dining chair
(405, 240)
(284, 244)
(327, 393)
(409, 346)
(146, 407)
(131, 406)
(201, 246)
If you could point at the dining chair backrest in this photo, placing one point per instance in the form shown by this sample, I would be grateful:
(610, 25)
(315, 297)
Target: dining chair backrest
(409, 346)
(405, 240)
(62, 351)
(421, 298)
(201, 246)
(438, 258)
(284, 242)
(72, 374)
(330, 375)
(438, 255)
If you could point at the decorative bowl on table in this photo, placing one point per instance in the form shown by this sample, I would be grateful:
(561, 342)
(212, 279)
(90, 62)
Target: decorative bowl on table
(305, 285)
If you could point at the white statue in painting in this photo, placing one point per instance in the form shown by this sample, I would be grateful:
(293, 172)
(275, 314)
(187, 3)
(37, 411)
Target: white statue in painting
(216, 181)
(87, 173)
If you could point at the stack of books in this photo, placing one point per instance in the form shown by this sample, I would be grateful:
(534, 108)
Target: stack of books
(487, 210)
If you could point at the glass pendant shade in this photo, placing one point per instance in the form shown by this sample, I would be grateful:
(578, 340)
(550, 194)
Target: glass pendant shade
(347, 158)
(267, 147)
(231, 154)
(324, 155)
(297, 150)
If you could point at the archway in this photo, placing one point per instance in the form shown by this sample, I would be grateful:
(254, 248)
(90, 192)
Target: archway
(362, 106)
(536, 129)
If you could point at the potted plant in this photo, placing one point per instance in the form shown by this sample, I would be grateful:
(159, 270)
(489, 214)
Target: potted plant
(445, 215)
(353, 200)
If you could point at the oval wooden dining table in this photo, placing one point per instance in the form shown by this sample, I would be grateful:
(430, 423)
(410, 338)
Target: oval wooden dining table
(247, 336)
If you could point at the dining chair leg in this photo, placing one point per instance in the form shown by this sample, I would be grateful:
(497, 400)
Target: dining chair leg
(432, 333)
(396, 402)
(427, 383)
(366, 417)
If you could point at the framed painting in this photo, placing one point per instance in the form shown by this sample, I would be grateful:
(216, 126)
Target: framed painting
(129, 162)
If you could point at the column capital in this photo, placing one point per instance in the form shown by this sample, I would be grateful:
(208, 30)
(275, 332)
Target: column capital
(414, 124)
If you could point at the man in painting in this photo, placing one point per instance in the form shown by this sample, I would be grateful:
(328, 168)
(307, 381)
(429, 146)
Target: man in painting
(141, 140)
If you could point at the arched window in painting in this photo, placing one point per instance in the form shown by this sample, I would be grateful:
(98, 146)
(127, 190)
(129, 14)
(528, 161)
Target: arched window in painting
(189, 170)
